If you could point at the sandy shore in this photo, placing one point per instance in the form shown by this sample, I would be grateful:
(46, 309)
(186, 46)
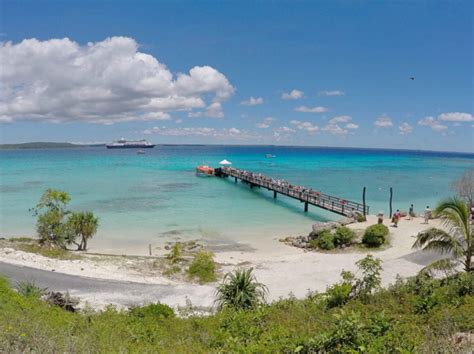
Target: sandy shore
(284, 269)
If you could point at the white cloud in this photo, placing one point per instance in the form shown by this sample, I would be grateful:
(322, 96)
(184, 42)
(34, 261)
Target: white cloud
(59, 80)
(332, 93)
(214, 110)
(317, 109)
(405, 128)
(221, 134)
(308, 126)
(293, 95)
(334, 126)
(252, 101)
(266, 123)
(433, 124)
(284, 129)
(456, 117)
(383, 122)
(352, 126)
(340, 119)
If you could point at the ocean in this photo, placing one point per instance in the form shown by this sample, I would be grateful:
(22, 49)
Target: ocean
(157, 196)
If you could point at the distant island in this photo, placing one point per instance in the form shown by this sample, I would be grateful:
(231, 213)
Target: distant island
(44, 145)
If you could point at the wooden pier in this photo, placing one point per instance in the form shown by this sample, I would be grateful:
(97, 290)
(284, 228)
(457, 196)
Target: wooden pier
(304, 195)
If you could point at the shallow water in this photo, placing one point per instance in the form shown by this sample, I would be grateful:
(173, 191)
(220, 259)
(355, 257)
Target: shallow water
(142, 198)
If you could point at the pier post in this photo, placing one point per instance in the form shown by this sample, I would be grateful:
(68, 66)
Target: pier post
(363, 202)
(235, 180)
(274, 195)
(391, 195)
(305, 207)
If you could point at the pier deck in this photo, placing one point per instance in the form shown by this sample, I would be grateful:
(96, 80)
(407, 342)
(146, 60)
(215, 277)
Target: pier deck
(305, 195)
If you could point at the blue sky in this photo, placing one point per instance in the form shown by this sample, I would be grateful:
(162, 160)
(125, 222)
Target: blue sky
(349, 63)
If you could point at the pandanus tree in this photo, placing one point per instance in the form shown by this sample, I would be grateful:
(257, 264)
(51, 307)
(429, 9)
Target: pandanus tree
(240, 290)
(83, 226)
(455, 240)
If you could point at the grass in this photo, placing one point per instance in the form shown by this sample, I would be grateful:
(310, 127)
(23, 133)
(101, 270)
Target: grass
(420, 315)
(50, 252)
(21, 239)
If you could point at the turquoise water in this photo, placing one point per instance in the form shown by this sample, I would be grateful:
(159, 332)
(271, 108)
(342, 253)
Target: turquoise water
(142, 198)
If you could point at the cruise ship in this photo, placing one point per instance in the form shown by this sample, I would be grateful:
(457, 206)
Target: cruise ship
(128, 144)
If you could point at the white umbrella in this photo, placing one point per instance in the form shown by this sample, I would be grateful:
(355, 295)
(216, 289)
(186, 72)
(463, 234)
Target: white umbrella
(225, 162)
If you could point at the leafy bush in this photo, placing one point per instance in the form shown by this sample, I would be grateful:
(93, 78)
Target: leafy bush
(203, 267)
(374, 235)
(29, 288)
(371, 268)
(387, 323)
(343, 236)
(325, 240)
(313, 243)
(338, 294)
(175, 254)
(155, 311)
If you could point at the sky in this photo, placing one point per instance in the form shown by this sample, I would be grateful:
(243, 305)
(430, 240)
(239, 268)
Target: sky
(379, 74)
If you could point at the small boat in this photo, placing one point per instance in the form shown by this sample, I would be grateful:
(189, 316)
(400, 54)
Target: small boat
(130, 144)
(141, 152)
(204, 170)
(270, 156)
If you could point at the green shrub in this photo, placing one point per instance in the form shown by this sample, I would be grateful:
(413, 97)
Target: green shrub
(155, 311)
(175, 254)
(203, 267)
(326, 240)
(343, 236)
(374, 235)
(313, 244)
(338, 294)
(361, 217)
(29, 288)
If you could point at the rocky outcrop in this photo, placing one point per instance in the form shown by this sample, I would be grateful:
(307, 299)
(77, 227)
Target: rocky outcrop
(319, 227)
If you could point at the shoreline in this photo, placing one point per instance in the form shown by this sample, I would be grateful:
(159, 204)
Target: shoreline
(284, 269)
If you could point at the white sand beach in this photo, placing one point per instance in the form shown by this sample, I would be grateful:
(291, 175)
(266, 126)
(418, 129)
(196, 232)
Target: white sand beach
(284, 269)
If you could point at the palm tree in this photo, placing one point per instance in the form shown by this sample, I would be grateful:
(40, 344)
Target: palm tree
(456, 241)
(84, 225)
(240, 290)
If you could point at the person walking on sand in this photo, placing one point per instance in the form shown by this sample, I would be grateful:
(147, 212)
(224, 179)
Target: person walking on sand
(427, 214)
(411, 213)
(396, 218)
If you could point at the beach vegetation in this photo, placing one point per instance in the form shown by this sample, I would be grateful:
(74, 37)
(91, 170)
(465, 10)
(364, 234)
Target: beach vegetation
(153, 311)
(29, 288)
(455, 241)
(203, 267)
(56, 226)
(46, 250)
(343, 236)
(81, 227)
(375, 235)
(389, 320)
(21, 239)
(352, 287)
(240, 290)
(326, 240)
(175, 254)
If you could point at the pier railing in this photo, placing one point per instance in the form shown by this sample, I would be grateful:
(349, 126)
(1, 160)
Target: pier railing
(305, 195)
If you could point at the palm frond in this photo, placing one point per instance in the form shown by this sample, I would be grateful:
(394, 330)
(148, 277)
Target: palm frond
(445, 264)
(428, 235)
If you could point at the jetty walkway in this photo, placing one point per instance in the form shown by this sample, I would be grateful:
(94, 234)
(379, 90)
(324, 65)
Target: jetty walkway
(305, 195)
